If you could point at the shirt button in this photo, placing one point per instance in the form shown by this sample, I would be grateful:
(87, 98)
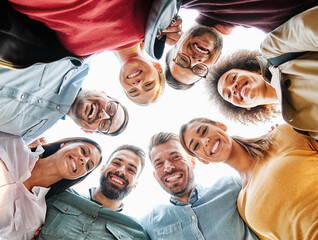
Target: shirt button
(65, 209)
(287, 83)
(193, 217)
(94, 216)
(58, 107)
(39, 101)
(22, 96)
(84, 232)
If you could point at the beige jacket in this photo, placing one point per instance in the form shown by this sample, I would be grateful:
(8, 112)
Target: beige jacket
(296, 81)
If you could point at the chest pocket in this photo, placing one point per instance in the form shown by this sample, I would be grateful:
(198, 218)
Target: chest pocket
(63, 221)
(173, 232)
(23, 125)
(118, 233)
(55, 75)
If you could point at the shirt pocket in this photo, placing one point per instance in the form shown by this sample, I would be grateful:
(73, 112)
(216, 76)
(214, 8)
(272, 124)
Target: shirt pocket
(62, 221)
(55, 75)
(118, 232)
(173, 232)
(23, 125)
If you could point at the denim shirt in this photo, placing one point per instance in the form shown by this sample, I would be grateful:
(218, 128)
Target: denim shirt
(35, 98)
(211, 213)
(71, 216)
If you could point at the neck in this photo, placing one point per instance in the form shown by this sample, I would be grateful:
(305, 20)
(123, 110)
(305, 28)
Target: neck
(107, 203)
(185, 198)
(127, 53)
(270, 95)
(43, 167)
(241, 161)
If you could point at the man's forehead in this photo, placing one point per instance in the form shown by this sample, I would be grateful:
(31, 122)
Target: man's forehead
(165, 149)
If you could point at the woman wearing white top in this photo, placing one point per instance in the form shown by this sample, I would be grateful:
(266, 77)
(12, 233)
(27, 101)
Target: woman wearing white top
(28, 177)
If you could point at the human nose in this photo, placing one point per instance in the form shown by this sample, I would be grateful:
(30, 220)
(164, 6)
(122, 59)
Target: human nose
(168, 167)
(233, 88)
(206, 141)
(195, 60)
(83, 160)
(103, 114)
(120, 170)
(135, 82)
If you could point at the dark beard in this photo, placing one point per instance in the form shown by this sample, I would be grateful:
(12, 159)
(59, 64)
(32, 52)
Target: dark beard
(112, 191)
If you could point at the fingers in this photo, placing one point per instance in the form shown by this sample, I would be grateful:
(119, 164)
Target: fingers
(173, 38)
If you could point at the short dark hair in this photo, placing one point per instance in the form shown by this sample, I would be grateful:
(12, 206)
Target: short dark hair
(161, 138)
(245, 60)
(136, 150)
(256, 147)
(64, 184)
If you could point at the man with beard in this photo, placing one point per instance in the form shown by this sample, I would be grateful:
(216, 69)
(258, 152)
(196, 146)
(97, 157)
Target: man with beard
(189, 60)
(195, 212)
(33, 99)
(71, 216)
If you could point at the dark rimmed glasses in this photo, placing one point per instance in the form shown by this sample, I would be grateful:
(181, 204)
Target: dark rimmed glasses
(111, 109)
(184, 61)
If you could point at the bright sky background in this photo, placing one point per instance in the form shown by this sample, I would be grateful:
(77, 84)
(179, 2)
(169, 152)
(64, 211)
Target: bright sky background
(173, 109)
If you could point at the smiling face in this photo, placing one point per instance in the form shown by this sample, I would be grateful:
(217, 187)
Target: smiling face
(201, 46)
(208, 142)
(92, 109)
(173, 168)
(120, 175)
(140, 79)
(76, 159)
(242, 88)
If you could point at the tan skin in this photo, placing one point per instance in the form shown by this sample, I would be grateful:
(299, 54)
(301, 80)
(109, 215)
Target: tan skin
(210, 143)
(59, 166)
(171, 168)
(246, 89)
(125, 163)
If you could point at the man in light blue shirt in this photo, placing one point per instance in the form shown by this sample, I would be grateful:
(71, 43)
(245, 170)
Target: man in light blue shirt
(35, 98)
(195, 212)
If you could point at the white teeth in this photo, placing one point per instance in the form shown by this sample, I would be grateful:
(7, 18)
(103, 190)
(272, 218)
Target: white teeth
(73, 165)
(92, 111)
(174, 177)
(117, 180)
(215, 146)
(203, 51)
(135, 74)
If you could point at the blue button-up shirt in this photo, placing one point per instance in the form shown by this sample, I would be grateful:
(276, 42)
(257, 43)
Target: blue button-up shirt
(211, 213)
(35, 98)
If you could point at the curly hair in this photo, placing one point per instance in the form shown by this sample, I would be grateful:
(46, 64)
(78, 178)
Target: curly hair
(245, 60)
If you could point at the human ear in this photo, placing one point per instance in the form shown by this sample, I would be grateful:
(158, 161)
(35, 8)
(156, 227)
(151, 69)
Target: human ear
(135, 184)
(222, 126)
(192, 161)
(157, 66)
(87, 131)
(102, 169)
(154, 174)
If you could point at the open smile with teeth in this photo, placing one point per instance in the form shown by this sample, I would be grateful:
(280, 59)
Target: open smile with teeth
(174, 177)
(200, 49)
(73, 164)
(215, 146)
(117, 180)
(92, 111)
(134, 74)
(242, 90)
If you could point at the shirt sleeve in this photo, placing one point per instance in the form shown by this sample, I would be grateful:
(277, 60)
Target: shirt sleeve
(299, 34)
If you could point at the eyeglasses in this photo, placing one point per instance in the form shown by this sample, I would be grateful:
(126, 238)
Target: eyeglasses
(111, 109)
(184, 61)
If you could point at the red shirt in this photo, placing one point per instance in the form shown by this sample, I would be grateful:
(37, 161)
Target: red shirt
(85, 27)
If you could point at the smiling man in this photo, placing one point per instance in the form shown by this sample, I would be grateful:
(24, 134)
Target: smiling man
(195, 212)
(71, 216)
(33, 99)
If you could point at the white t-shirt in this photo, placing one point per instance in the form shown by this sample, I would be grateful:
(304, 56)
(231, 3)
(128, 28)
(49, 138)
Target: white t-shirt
(22, 212)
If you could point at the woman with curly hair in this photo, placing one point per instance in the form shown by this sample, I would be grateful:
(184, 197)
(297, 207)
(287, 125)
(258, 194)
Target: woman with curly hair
(278, 171)
(247, 85)
(30, 176)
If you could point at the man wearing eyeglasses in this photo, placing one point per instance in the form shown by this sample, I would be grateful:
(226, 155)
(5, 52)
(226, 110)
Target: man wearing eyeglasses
(223, 16)
(33, 99)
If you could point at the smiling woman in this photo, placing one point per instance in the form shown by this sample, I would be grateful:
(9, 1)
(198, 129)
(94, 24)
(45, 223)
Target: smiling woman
(28, 177)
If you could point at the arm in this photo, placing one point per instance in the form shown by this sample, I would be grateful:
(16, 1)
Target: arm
(298, 34)
(173, 32)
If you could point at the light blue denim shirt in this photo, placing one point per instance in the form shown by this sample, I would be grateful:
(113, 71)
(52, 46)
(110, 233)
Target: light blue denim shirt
(35, 98)
(211, 213)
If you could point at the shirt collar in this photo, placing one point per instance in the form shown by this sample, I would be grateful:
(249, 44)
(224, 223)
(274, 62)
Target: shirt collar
(264, 65)
(195, 194)
(91, 191)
